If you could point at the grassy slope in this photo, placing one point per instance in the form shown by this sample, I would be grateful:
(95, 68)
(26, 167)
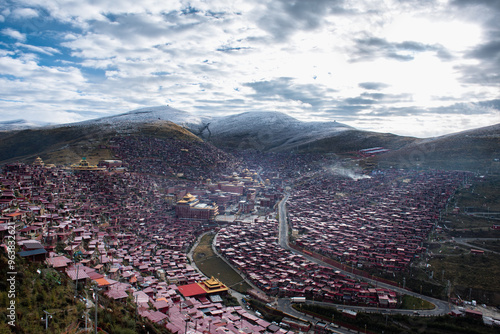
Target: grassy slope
(67, 144)
(54, 293)
(339, 142)
(354, 140)
(466, 271)
(470, 150)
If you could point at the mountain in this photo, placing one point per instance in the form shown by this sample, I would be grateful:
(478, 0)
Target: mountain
(66, 144)
(146, 115)
(476, 150)
(278, 132)
(262, 131)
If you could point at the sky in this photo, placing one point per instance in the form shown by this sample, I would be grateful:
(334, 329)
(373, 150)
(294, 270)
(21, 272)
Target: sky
(411, 67)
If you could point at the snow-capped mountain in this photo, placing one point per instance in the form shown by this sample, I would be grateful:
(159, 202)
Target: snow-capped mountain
(267, 130)
(258, 130)
(149, 114)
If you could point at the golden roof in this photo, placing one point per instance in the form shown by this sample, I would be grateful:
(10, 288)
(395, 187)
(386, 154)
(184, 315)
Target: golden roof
(84, 165)
(187, 198)
(213, 285)
(38, 162)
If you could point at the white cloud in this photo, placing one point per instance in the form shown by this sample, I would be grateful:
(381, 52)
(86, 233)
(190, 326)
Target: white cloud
(218, 55)
(14, 34)
(41, 49)
(24, 13)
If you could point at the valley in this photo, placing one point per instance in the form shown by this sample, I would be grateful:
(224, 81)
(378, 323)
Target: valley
(350, 219)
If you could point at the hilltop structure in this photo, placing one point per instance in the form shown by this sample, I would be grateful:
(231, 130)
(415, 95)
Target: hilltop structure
(84, 165)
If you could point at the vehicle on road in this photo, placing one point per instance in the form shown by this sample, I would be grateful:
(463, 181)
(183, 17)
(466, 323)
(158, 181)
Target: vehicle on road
(298, 299)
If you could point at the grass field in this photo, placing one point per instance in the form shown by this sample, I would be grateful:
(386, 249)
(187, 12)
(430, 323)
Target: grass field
(464, 222)
(212, 265)
(414, 303)
(475, 271)
(483, 194)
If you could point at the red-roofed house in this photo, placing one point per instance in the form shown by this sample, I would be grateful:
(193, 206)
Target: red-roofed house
(191, 290)
(157, 317)
(59, 263)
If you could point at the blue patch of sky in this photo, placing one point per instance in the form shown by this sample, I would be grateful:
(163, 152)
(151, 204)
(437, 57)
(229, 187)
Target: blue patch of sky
(40, 32)
(161, 73)
(14, 101)
(94, 75)
(111, 17)
(190, 10)
(8, 77)
(43, 31)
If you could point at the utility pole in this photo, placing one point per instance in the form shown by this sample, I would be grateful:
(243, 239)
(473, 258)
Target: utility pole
(86, 315)
(47, 316)
(76, 286)
(136, 307)
(96, 296)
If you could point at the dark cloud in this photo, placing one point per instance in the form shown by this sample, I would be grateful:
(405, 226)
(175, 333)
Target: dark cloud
(373, 85)
(476, 108)
(485, 75)
(189, 10)
(488, 72)
(284, 17)
(370, 47)
(385, 98)
(487, 51)
(227, 48)
(374, 96)
(284, 88)
(495, 104)
(486, 12)
(359, 101)
(491, 4)
(357, 107)
(346, 110)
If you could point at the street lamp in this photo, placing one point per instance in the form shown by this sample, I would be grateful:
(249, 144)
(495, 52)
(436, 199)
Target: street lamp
(47, 317)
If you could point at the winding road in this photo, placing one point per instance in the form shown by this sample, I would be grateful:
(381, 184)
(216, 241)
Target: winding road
(465, 242)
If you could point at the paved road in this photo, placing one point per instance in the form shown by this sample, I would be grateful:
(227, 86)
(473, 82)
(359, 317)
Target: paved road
(465, 242)
(442, 307)
(285, 305)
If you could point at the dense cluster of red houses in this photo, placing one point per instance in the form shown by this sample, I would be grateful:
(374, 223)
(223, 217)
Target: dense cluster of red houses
(190, 159)
(379, 222)
(119, 229)
(119, 232)
(252, 247)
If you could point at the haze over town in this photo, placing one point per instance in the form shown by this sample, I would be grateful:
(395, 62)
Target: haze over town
(420, 68)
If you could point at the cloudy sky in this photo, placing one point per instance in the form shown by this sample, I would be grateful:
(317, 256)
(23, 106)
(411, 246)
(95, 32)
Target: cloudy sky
(411, 67)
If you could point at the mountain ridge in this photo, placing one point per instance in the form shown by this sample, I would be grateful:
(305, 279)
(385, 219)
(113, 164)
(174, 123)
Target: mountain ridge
(261, 131)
